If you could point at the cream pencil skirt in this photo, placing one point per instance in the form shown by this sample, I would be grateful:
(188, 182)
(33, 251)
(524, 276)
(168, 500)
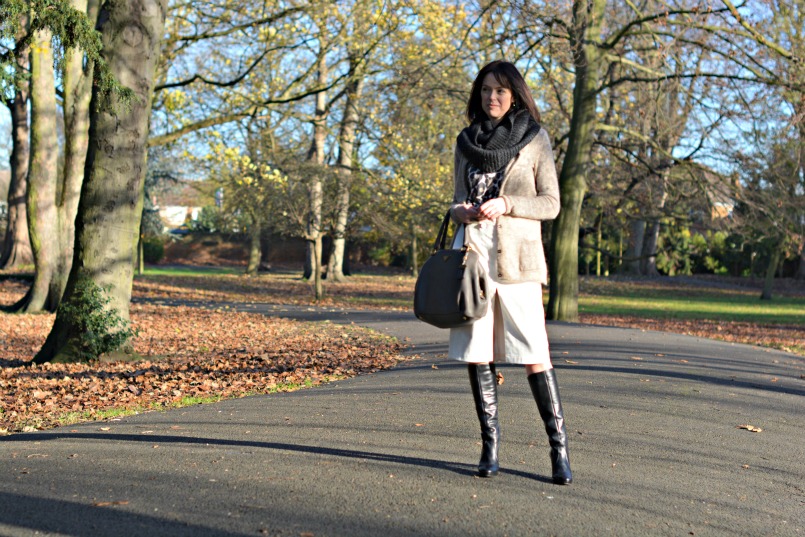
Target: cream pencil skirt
(513, 329)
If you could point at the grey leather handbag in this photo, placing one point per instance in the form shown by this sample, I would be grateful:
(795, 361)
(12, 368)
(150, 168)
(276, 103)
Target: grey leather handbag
(451, 287)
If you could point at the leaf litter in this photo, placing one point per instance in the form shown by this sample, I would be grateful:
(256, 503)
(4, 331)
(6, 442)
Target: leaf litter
(189, 355)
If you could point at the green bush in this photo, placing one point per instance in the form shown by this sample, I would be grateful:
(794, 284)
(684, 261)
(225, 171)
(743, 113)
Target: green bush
(674, 252)
(153, 249)
(381, 255)
(209, 220)
(96, 328)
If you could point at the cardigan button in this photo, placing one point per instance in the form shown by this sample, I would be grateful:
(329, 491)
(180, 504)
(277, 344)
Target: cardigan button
(500, 251)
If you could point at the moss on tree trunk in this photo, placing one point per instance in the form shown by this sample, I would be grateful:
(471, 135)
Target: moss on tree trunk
(110, 207)
(53, 197)
(42, 174)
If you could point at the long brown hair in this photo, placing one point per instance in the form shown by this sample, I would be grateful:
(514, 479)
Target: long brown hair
(507, 76)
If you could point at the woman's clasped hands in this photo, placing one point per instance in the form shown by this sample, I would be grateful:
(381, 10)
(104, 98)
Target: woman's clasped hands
(489, 210)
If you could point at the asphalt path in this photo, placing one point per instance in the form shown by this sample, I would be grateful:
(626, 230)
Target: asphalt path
(655, 445)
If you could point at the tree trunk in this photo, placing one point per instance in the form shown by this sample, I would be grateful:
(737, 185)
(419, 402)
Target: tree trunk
(17, 244)
(77, 95)
(316, 187)
(349, 124)
(414, 247)
(599, 241)
(768, 282)
(634, 250)
(255, 250)
(140, 256)
(310, 260)
(651, 239)
(110, 207)
(648, 264)
(800, 275)
(564, 259)
(318, 284)
(56, 201)
(41, 196)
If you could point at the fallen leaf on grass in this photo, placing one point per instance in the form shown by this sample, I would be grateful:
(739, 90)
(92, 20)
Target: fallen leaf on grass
(571, 362)
(751, 428)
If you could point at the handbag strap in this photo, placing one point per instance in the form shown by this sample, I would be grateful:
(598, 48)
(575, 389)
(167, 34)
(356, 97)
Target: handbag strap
(441, 238)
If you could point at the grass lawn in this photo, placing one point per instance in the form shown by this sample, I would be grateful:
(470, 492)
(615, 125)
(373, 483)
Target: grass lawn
(179, 270)
(671, 300)
(706, 307)
(659, 298)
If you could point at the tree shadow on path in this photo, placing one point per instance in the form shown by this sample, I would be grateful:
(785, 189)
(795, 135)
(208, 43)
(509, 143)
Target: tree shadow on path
(457, 468)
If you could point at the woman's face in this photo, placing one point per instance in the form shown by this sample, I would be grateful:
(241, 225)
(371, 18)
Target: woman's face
(496, 100)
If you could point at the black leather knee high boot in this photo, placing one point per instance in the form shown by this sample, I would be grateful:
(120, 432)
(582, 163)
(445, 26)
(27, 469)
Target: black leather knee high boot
(546, 394)
(485, 391)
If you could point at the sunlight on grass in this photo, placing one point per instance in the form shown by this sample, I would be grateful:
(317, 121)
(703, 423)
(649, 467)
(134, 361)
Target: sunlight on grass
(725, 307)
(71, 418)
(189, 400)
(361, 301)
(157, 270)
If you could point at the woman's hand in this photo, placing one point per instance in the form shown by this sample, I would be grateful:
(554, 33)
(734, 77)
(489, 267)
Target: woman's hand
(465, 213)
(491, 209)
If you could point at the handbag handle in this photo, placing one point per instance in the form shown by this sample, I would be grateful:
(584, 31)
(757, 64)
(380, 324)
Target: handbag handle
(441, 238)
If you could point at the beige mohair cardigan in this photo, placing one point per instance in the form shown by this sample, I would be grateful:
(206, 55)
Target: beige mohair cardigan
(531, 191)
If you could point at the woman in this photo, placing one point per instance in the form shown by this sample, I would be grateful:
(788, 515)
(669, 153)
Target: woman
(505, 184)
